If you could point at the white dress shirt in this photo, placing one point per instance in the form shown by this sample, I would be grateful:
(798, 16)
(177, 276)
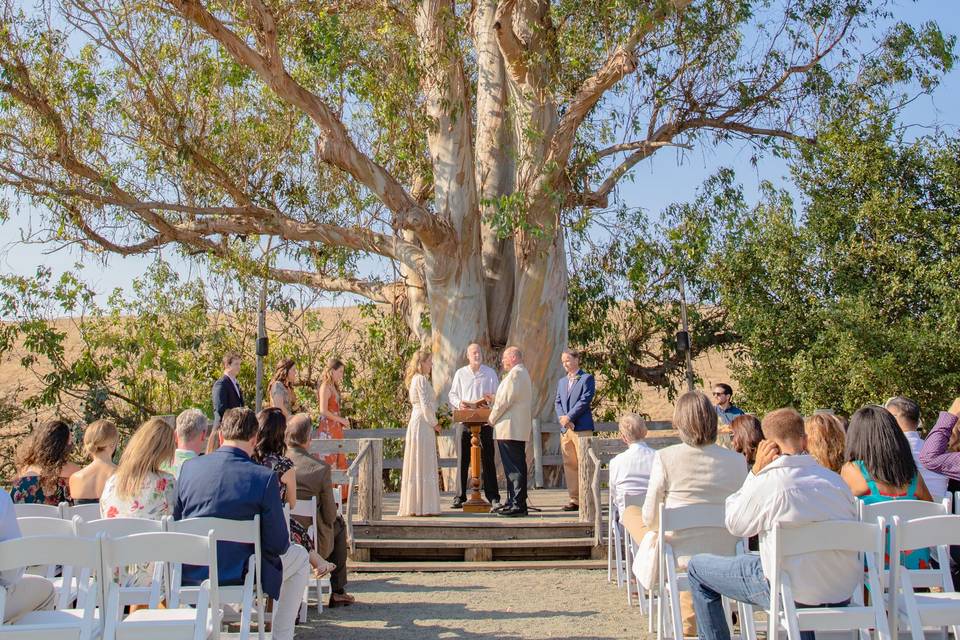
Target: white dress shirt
(468, 386)
(795, 489)
(936, 483)
(630, 473)
(9, 530)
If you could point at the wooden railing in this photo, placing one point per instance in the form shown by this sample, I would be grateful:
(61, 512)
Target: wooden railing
(364, 478)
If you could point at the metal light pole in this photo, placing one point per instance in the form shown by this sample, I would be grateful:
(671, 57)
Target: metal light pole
(683, 338)
(261, 342)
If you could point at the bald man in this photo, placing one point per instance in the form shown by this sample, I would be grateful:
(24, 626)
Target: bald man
(512, 418)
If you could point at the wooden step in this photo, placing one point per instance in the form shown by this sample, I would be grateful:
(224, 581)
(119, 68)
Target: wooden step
(498, 529)
(498, 565)
(398, 543)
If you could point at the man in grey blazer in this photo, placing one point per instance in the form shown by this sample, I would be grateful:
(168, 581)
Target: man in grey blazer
(314, 479)
(512, 418)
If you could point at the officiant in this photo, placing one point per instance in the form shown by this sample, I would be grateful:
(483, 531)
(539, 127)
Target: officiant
(470, 384)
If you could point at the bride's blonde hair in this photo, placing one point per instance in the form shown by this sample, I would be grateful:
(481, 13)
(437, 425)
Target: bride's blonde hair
(415, 365)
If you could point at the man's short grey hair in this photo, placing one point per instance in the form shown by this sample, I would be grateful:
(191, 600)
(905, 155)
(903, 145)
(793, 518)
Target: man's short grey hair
(298, 430)
(516, 351)
(190, 424)
(633, 427)
(906, 408)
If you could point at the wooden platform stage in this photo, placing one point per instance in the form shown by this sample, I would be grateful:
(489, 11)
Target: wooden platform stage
(458, 541)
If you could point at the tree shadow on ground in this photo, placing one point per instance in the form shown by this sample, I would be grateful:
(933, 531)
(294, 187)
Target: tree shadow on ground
(397, 584)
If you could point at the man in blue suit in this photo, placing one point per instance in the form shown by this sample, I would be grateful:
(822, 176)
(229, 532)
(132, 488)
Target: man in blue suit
(226, 395)
(228, 484)
(574, 395)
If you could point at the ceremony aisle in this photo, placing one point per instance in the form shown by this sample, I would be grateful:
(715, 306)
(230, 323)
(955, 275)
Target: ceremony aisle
(481, 604)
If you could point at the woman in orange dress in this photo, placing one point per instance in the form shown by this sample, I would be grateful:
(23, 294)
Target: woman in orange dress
(331, 424)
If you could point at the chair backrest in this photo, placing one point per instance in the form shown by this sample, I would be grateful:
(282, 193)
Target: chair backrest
(116, 527)
(45, 527)
(305, 508)
(42, 550)
(162, 546)
(934, 531)
(904, 509)
(834, 535)
(693, 516)
(245, 531)
(37, 511)
(87, 512)
(338, 499)
(633, 499)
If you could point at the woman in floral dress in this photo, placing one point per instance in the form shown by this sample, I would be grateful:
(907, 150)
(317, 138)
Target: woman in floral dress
(139, 489)
(43, 466)
(270, 452)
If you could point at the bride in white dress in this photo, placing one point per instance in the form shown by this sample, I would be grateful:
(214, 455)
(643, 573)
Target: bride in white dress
(419, 484)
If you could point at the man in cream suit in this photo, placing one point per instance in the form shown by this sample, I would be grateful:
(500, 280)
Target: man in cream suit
(512, 418)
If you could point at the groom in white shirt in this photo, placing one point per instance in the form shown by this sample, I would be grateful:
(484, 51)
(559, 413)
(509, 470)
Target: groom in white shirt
(470, 385)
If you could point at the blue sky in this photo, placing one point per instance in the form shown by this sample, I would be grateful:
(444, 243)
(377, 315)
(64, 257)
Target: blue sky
(666, 178)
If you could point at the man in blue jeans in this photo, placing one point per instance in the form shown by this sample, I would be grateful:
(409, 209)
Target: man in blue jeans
(786, 486)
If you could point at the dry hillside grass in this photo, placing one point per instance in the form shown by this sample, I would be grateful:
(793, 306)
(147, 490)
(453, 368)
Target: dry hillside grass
(337, 322)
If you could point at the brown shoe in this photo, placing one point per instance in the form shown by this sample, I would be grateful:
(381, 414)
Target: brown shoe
(341, 600)
(570, 506)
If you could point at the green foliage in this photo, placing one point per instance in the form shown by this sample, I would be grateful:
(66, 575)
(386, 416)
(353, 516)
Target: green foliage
(856, 299)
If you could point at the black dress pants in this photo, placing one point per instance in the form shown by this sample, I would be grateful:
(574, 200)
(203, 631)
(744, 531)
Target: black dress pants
(488, 474)
(513, 455)
(338, 579)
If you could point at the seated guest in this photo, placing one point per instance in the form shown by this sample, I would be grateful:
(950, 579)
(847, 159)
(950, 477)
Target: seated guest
(746, 436)
(43, 465)
(880, 467)
(785, 486)
(25, 593)
(191, 434)
(826, 440)
(99, 443)
(630, 470)
(228, 484)
(139, 488)
(697, 471)
(270, 452)
(937, 454)
(314, 480)
(907, 414)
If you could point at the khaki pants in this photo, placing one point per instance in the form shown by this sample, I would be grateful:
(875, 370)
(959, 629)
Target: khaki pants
(29, 593)
(570, 448)
(632, 520)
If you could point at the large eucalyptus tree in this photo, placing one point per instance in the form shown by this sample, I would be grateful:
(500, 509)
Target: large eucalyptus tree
(456, 143)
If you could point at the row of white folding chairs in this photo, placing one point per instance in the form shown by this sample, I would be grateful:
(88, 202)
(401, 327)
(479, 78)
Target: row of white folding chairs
(63, 510)
(248, 596)
(104, 555)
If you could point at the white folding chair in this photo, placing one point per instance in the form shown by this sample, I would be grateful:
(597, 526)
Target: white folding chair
(863, 538)
(308, 509)
(118, 528)
(671, 581)
(37, 511)
(79, 624)
(64, 583)
(614, 542)
(338, 499)
(645, 597)
(85, 511)
(940, 609)
(197, 623)
(249, 595)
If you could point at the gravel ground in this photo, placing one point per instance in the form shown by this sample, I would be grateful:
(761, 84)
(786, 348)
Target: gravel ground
(552, 604)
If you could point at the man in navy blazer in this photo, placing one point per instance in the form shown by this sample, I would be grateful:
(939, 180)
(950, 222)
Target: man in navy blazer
(226, 395)
(228, 484)
(574, 395)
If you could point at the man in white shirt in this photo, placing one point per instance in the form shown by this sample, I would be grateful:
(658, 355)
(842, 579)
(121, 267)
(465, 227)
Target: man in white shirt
(907, 413)
(470, 385)
(630, 470)
(25, 593)
(786, 486)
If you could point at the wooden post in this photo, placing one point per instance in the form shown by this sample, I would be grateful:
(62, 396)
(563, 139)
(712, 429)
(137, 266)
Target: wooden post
(537, 455)
(586, 468)
(370, 481)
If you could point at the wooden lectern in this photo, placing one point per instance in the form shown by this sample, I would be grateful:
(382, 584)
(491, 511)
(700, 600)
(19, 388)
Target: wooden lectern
(474, 418)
